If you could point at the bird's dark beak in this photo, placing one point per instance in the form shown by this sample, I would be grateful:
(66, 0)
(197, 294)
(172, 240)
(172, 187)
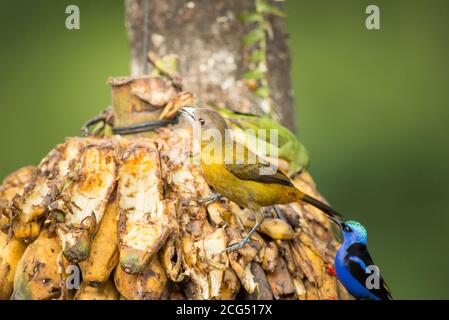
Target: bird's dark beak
(188, 112)
(338, 222)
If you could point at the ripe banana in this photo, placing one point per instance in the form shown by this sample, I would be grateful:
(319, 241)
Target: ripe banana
(150, 284)
(25, 231)
(103, 256)
(143, 223)
(103, 291)
(10, 253)
(277, 229)
(37, 275)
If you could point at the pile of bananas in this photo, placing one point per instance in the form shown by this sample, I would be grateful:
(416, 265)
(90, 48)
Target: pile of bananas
(118, 218)
(114, 217)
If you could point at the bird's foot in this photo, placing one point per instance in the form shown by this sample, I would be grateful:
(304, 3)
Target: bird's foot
(278, 212)
(212, 198)
(238, 245)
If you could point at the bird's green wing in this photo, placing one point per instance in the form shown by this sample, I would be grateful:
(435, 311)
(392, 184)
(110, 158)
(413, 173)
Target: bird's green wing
(248, 166)
(288, 147)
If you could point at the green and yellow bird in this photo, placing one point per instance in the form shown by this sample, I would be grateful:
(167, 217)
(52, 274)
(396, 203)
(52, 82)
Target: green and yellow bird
(238, 174)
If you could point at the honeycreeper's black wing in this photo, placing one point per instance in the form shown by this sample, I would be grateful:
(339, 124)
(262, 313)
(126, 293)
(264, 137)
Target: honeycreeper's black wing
(246, 165)
(357, 260)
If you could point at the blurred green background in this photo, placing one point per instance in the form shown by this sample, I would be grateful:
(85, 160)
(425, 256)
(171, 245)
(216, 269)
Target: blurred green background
(372, 110)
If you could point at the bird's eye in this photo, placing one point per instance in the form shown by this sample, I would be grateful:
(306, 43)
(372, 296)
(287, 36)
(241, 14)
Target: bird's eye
(346, 228)
(202, 122)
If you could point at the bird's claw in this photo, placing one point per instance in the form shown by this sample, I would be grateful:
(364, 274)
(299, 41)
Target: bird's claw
(210, 199)
(238, 245)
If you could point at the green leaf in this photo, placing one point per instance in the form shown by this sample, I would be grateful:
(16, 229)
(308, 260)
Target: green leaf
(263, 6)
(253, 74)
(257, 55)
(253, 37)
(250, 17)
(263, 92)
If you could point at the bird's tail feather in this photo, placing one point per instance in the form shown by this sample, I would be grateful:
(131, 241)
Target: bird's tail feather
(320, 205)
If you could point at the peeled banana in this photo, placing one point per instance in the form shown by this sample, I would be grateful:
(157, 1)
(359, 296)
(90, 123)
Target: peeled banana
(84, 201)
(103, 256)
(143, 224)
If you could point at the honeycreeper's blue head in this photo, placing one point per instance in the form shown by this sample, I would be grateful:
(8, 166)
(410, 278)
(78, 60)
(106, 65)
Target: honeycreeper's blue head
(353, 231)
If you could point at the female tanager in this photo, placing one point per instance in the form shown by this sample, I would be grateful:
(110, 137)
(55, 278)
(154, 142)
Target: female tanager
(238, 174)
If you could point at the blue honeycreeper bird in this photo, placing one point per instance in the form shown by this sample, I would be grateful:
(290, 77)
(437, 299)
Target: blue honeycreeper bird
(352, 263)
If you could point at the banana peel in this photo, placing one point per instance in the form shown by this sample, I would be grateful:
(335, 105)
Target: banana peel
(55, 174)
(210, 262)
(230, 285)
(38, 275)
(171, 258)
(143, 222)
(83, 202)
(263, 290)
(13, 186)
(103, 257)
(11, 250)
(270, 257)
(40, 192)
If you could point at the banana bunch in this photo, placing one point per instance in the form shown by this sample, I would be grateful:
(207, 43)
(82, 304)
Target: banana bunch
(119, 218)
